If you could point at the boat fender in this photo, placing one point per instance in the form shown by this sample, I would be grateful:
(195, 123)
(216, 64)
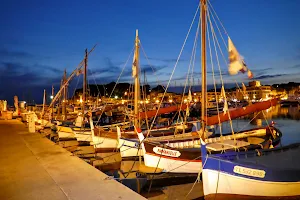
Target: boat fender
(258, 152)
(271, 144)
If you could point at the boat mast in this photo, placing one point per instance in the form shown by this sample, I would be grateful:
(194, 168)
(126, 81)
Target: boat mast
(84, 83)
(203, 63)
(44, 102)
(136, 80)
(64, 104)
(52, 107)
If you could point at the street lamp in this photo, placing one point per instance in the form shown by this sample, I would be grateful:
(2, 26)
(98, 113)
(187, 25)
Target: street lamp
(51, 97)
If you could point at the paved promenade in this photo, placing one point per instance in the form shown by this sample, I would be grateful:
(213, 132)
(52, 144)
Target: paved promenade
(32, 167)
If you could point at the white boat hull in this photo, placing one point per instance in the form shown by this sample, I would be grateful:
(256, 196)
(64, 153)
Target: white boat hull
(105, 144)
(85, 136)
(228, 186)
(172, 165)
(65, 133)
(129, 148)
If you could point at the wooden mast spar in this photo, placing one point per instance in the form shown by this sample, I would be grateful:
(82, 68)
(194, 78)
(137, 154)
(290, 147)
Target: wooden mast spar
(203, 7)
(135, 74)
(84, 85)
(64, 103)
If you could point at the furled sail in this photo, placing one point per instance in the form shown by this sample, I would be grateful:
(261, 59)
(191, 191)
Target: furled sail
(135, 57)
(170, 109)
(239, 112)
(236, 63)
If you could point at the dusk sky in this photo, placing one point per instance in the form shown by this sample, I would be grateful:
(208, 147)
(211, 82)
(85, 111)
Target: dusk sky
(38, 39)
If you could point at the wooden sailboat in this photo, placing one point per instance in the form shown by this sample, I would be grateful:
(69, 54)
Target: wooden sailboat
(182, 153)
(82, 132)
(254, 174)
(42, 123)
(126, 140)
(179, 153)
(259, 174)
(66, 132)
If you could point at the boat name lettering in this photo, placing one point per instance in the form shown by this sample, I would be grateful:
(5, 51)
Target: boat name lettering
(249, 172)
(166, 152)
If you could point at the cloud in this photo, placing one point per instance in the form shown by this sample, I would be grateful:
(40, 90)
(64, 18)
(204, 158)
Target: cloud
(15, 69)
(48, 68)
(152, 68)
(111, 70)
(297, 55)
(109, 67)
(19, 54)
(18, 79)
(167, 60)
(295, 66)
(269, 76)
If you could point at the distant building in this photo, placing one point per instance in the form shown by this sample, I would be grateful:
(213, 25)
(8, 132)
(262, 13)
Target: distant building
(254, 84)
(256, 92)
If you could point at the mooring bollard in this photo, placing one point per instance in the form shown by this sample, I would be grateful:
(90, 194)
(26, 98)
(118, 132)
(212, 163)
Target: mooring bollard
(31, 123)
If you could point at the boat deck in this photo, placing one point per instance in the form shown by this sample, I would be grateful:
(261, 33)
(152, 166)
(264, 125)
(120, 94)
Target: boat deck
(32, 167)
(286, 158)
(279, 158)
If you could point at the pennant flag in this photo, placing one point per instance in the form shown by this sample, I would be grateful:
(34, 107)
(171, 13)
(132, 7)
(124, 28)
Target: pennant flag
(244, 88)
(250, 74)
(78, 72)
(187, 111)
(190, 98)
(134, 67)
(236, 63)
(244, 91)
(223, 94)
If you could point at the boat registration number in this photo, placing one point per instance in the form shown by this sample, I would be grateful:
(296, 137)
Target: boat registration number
(166, 152)
(249, 172)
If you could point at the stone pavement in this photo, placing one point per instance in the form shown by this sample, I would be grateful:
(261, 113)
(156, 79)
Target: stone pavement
(33, 167)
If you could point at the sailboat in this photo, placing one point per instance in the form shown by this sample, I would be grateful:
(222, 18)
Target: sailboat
(64, 132)
(70, 130)
(259, 174)
(181, 153)
(253, 174)
(126, 140)
(42, 123)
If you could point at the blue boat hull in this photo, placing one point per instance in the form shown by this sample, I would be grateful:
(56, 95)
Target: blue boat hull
(266, 174)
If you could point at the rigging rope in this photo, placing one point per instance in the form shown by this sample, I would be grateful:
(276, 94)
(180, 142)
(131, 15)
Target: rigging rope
(222, 82)
(154, 71)
(214, 80)
(188, 77)
(115, 84)
(174, 67)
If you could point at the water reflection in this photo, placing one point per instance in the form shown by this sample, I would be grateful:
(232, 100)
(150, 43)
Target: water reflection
(278, 112)
(285, 118)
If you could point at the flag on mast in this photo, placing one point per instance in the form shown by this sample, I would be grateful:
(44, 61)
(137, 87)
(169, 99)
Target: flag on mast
(79, 71)
(236, 63)
(244, 88)
(190, 98)
(135, 57)
(134, 67)
(223, 95)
